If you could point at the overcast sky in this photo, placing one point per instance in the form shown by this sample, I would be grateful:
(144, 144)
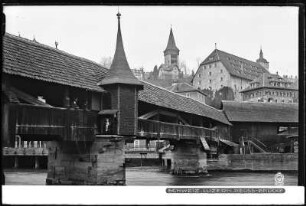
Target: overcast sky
(90, 32)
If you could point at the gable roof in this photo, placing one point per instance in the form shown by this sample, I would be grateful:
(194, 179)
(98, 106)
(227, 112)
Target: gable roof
(171, 46)
(235, 65)
(183, 87)
(164, 98)
(33, 60)
(268, 80)
(119, 72)
(261, 112)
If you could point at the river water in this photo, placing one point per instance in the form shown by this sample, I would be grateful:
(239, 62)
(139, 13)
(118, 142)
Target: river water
(154, 176)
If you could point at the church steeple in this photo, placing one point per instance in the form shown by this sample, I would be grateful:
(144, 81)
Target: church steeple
(171, 52)
(171, 46)
(262, 61)
(260, 54)
(119, 72)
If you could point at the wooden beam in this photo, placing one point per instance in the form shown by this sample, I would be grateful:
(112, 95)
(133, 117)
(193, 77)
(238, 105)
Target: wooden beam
(149, 115)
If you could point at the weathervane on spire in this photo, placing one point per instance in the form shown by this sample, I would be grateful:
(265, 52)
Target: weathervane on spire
(118, 14)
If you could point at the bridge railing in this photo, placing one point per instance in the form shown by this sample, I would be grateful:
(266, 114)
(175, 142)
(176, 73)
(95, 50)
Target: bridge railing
(40, 121)
(162, 130)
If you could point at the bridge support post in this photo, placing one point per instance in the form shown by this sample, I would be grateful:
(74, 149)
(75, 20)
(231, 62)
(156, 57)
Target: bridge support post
(16, 163)
(188, 157)
(36, 162)
(100, 162)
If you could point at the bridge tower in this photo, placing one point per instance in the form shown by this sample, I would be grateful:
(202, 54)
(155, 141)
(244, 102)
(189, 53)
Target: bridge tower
(102, 161)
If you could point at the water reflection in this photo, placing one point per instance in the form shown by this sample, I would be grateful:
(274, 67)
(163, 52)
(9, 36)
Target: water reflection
(154, 176)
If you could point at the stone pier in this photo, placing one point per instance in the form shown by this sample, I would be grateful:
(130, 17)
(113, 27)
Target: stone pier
(100, 162)
(188, 157)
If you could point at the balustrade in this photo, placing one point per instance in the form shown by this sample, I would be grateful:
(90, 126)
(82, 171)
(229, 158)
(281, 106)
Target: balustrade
(162, 130)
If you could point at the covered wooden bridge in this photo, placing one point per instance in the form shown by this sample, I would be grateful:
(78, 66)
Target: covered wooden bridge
(86, 113)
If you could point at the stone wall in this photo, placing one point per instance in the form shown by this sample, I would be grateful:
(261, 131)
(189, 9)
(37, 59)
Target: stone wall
(90, 163)
(255, 162)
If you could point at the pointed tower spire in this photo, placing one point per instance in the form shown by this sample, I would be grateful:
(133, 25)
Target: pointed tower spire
(119, 72)
(260, 53)
(262, 61)
(171, 46)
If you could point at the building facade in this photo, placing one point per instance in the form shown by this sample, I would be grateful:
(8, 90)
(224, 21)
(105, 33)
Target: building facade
(221, 69)
(139, 73)
(271, 88)
(188, 91)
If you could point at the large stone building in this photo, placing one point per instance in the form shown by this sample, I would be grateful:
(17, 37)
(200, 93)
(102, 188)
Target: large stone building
(170, 69)
(271, 88)
(222, 69)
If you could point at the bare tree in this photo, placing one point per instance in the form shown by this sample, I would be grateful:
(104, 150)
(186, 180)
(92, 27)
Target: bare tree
(183, 67)
(106, 62)
(198, 59)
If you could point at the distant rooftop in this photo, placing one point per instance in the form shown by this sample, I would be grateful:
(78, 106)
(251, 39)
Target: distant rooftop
(273, 81)
(261, 112)
(235, 65)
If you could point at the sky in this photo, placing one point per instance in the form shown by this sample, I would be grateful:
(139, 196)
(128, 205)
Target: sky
(90, 32)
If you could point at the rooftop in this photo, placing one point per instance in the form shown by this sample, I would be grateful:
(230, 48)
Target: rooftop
(171, 46)
(183, 87)
(162, 97)
(119, 72)
(34, 60)
(261, 112)
(235, 65)
(273, 81)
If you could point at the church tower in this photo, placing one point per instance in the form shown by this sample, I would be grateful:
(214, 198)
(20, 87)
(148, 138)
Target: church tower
(171, 53)
(123, 88)
(262, 61)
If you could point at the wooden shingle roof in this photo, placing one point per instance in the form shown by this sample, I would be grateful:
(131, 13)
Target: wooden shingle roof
(33, 60)
(120, 72)
(261, 112)
(162, 97)
(235, 65)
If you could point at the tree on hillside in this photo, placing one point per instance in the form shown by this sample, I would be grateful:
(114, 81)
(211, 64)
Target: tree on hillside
(155, 73)
(225, 93)
(106, 62)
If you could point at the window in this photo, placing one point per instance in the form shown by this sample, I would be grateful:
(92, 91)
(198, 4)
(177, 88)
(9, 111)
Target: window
(199, 75)
(221, 79)
(221, 85)
(215, 64)
(209, 88)
(204, 67)
(200, 82)
(209, 73)
(221, 71)
(210, 81)
(210, 66)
